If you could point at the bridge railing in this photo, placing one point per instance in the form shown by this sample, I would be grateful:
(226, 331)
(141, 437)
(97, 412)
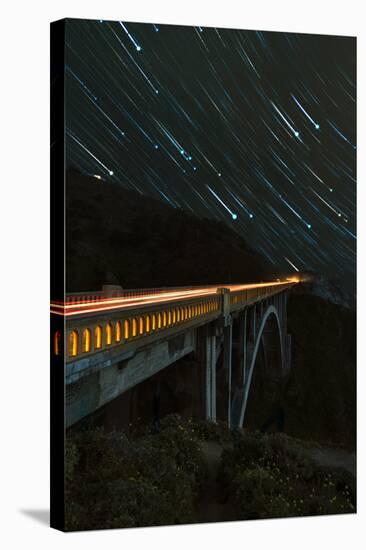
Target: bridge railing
(250, 295)
(90, 334)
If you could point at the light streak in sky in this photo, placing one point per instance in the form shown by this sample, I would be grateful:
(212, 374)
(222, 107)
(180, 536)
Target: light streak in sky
(276, 214)
(203, 42)
(162, 193)
(295, 132)
(110, 172)
(317, 177)
(291, 264)
(174, 142)
(339, 214)
(314, 174)
(173, 159)
(283, 163)
(108, 117)
(212, 166)
(86, 89)
(171, 138)
(308, 225)
(350, 233)
(136, 64)
(340, 134)
(219, 35)
(233, 215)
(137, 46)
(249, 61)
(273, 134)
(316, 125)
(240, 203)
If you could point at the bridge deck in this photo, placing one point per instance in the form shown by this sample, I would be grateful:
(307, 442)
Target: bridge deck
(95, 323)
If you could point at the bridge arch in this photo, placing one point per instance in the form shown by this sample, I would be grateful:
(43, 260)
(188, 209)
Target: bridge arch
(86, 340)
(126, 329)
(98, 337)
(118, 331)
(134, 327)
(73, 343)
(147, 323)
(271, 313)
(109, 333)
(57, 342)
(153, 321)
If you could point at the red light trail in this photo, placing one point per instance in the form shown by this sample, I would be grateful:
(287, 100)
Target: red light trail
(110, 304)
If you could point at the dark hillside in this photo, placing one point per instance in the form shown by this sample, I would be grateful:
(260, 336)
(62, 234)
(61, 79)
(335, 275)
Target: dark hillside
(121, 237)
(320, 399)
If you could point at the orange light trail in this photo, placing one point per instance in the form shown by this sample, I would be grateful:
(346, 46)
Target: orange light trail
(110, 304)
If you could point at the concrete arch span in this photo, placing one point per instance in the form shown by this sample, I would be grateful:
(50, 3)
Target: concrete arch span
(271, 315)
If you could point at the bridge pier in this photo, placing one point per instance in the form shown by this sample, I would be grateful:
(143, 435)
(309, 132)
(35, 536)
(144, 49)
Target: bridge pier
(228, 347)
(243, 317)
(211, 377)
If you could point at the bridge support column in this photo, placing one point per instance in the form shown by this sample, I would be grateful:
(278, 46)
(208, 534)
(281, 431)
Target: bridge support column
(284, 320)
(227, 343)
(228, 346)
(282, 309)
(253, 323)
(242, 345)
(211, 378)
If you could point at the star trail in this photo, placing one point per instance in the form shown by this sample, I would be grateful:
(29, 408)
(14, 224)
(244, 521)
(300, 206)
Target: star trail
(256, 129)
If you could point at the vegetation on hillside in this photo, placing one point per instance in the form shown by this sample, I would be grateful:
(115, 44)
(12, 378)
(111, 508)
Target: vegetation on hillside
(271, 476)
(116, 481)
(158, 477)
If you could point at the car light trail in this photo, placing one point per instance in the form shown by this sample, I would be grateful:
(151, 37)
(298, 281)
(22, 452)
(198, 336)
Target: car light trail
(110, 304)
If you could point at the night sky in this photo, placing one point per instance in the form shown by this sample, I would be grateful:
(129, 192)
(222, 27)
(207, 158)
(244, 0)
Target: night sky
(256, 129)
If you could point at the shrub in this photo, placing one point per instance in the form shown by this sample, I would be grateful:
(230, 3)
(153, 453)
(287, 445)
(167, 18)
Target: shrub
(214, 431)
(160, 476)
(115, 481)
(271, 476)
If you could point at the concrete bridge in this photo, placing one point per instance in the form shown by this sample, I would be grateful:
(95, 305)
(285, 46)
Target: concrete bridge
(115, 339)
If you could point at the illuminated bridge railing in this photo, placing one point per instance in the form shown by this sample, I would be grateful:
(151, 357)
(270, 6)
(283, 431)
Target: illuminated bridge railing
(245, 297)
(90, 335)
